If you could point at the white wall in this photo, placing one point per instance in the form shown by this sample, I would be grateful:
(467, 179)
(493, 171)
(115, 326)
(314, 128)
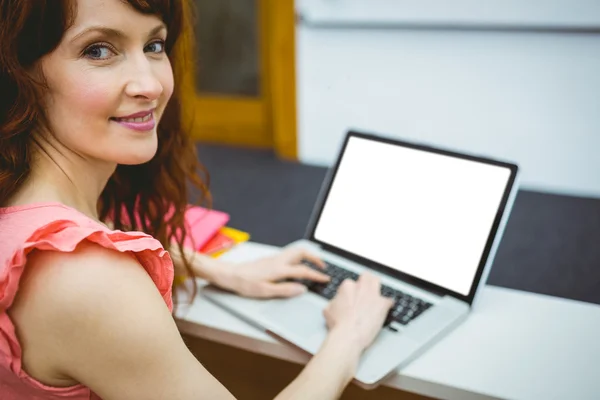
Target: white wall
(533, 98)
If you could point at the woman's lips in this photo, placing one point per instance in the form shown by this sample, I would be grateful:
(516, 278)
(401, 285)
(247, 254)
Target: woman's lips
(138, 122)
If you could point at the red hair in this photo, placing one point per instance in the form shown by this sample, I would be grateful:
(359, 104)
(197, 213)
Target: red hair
(30, 29)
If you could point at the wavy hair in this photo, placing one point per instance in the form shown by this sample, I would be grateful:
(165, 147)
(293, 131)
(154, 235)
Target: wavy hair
(150, 197)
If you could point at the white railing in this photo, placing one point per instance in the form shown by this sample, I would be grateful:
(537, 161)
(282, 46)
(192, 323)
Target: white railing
(544, 15)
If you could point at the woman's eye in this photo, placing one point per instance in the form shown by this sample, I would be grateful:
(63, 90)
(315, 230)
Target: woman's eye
(156, 47)
(98, 52)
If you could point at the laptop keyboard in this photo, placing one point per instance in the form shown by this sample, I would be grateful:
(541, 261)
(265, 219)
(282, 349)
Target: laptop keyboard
(406, 307)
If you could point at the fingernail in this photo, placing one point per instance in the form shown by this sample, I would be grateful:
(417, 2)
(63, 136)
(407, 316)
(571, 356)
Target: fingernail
(300, 289)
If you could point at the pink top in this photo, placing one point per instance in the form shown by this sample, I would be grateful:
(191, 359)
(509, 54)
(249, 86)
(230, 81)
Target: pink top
(54, 226)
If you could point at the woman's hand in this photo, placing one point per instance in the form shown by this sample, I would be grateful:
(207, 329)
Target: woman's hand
(358, 310)
(266, 277)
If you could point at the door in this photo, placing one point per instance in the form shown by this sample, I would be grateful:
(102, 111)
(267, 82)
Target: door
(240, 76)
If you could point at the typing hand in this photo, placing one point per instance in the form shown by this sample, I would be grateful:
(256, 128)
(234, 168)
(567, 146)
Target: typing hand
(266, 277)
(358, 309)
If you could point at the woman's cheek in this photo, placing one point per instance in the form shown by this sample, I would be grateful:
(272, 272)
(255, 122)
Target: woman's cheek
(167, 80)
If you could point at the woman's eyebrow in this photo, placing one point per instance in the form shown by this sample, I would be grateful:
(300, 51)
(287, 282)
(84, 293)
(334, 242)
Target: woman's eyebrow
(114, 33)
(157, 29)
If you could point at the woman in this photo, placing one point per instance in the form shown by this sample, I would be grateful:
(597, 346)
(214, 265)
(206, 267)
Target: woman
(90, 126)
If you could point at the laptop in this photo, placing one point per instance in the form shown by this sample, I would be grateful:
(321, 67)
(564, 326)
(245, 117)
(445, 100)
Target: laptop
(426, 220)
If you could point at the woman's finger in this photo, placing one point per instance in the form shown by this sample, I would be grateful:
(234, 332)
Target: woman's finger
(314, 259)
(369, 281)
(297, 255)
(303, 272)
(346, 285)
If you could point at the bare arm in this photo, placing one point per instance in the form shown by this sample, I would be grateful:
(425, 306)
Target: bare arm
(354, 317)
(95, 317)
(328, 372)
(203, 266)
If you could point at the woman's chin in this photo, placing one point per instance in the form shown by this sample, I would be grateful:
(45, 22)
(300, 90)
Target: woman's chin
(136, 159)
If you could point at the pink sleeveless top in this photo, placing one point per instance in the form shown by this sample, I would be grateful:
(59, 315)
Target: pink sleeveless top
(53, 226)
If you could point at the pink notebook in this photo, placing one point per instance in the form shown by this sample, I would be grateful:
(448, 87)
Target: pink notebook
(203, 224)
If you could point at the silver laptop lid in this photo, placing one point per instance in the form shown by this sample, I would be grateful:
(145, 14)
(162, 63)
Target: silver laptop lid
(422, 214)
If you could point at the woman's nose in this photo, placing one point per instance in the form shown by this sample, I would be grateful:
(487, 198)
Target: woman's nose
(143, 81)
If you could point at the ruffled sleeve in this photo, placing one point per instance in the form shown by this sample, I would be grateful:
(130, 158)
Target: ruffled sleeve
(66, 235)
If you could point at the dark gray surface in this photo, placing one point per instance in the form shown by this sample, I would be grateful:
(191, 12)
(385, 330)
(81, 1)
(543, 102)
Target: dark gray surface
(551, 244)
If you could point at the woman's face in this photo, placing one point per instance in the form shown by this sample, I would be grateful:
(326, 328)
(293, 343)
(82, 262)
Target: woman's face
(109, 82)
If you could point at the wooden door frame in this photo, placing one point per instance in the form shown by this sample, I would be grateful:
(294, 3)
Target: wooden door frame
(266, 122)
(281, 74)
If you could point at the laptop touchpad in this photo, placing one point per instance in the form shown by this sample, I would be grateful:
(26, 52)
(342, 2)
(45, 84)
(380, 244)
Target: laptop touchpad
(301, 315)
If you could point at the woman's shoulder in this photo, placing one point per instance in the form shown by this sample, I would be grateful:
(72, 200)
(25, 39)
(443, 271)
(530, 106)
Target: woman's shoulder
(56, 228)
(59, 268)
(72, 282)
(68, 296)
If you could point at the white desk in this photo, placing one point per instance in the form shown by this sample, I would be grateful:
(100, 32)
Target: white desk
(514, 345)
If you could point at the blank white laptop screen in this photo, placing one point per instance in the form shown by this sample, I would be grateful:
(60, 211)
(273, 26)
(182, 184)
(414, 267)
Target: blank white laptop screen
(425, 214)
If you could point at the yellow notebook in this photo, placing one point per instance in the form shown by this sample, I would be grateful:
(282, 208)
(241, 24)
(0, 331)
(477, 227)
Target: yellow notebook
(224, 240)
